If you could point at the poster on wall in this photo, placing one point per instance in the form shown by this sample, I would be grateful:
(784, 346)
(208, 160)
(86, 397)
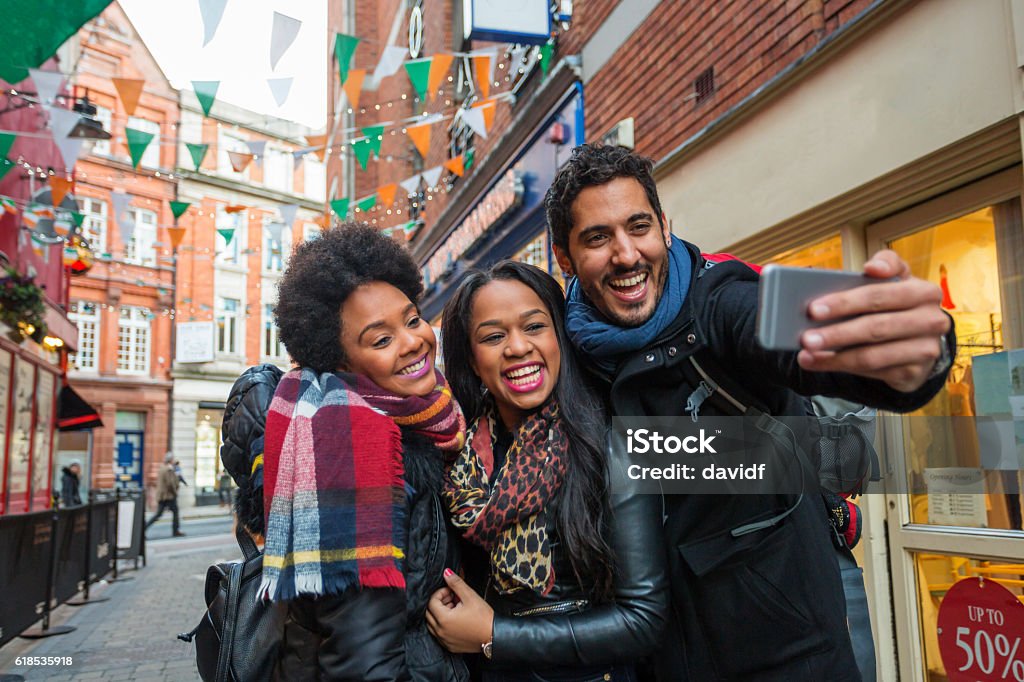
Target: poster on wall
(42, 439)
(21, 435)
(194, 342)
(956, 496)
(5, 387)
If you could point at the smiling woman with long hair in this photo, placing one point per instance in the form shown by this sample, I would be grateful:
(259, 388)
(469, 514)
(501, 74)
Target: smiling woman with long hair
(576, 587)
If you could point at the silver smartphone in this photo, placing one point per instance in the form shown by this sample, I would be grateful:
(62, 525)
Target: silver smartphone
(784, 296)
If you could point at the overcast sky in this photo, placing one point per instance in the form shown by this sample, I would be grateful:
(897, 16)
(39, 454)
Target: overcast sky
(239, 54)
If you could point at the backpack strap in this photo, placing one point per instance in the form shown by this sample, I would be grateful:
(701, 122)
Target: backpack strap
(246, 543)
(227, 642)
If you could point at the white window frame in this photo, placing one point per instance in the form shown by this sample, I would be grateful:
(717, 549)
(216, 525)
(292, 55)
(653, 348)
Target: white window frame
(314, 174)
(228, 326)
(86, 316)
(105, 117)
(141, 249)
(94, 227)
(133, 341)
(278, 169)
(270, 338)
(151, 157)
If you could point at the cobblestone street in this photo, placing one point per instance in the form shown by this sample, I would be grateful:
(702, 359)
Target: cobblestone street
(133, 636)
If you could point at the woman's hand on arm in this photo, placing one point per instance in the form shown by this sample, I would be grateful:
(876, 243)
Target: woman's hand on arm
(458, 617)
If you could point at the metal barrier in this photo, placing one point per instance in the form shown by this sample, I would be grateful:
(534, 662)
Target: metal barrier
(48, 557)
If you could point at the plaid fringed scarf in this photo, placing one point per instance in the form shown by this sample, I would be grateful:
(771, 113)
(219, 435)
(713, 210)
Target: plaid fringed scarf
(503, 511)
(334, 491)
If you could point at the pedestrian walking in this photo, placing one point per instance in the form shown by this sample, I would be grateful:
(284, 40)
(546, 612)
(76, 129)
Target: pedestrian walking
(69, 483)
(167, 494)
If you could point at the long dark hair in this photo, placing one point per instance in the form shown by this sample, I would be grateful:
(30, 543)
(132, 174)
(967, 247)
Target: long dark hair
(583, 508)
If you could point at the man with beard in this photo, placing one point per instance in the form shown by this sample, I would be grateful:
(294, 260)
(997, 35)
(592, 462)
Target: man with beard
(756, 589)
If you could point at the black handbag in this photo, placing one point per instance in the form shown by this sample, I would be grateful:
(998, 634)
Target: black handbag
(239, 636)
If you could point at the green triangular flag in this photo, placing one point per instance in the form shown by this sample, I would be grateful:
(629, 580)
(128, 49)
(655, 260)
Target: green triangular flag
(227, 233)
(77, 217)
(375, 135)
(6, 140)
(179, 207)
(362, 149)
(206, 93)
(545, 57)
(5, 166)
(366, 204)
(419, 74)
(344, 48)
(32, 32)
(138, 140)
(198, 152)
(340, 207)
(467, 159)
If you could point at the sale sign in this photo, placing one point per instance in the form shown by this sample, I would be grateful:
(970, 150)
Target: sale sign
(981, 627)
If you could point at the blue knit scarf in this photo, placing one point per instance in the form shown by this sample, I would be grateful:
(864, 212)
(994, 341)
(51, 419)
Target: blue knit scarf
(606, 344)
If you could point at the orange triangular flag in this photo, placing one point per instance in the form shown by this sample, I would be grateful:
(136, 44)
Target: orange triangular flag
(354, 86)
(59, 188)
(317, 141)
(488, 107)
(129, 90)
(438, 70)
(240, 160)
(176, 234)
(234, 208)
(420, 136)
(455, 165)
(323, 221)
(386, 194)
(482, 68)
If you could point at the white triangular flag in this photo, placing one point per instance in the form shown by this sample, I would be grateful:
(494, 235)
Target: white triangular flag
(122, 218)
(280, 88)
(282, 36)
(390, 62)
(474, 118)
(48, 84)
(287, 212)
(411, 185)
(212, 11)
(257, 148)
(275, 229)
(432, 175)
(62, 122)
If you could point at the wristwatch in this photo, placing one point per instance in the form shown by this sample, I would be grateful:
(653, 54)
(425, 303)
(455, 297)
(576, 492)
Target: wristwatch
(487, 649)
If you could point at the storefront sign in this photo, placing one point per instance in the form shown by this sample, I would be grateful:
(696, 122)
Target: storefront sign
(194, 342)
(980, 629)
(502, 200)
(509, 21)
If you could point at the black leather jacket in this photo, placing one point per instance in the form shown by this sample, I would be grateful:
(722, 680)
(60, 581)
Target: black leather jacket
(559, 629)
(374, 634)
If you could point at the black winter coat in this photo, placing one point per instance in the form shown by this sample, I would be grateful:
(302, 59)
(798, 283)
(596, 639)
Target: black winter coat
(69, 495)
(767, 605)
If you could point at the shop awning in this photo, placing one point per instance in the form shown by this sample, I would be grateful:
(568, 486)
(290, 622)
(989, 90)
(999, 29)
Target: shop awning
(73, 413)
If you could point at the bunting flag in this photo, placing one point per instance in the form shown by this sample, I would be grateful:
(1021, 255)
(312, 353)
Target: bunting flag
(411, 185)
(127, 226)
(212, 11)
(432, 175)
(198, 152)
(275, 229)
(288, 212)
(386, 194)
(129, 90)
(375, 134)
(545, 57)
(317, 145)
(366, 204)
(48, 84)
(323, 221)
(419, 75)
(482, 70)
(179, 207)
(257, 148)
(455, 165)
(340, 207)
(474, 118)
(239, 161)
(362, 148)
(62, 122)
(59, 188)
(8, 205)
(138, 140)
(420, 136)
(206, 93)
(77, 218)
(120, 201)
(5, 167)
(353, 87)
(489, 108)
(391, 60)
(517, 54)
(344, 48)
(6, 140)
(439, 65)
(227, 233)
(175, 234)
(282, 35)
(234, 208)
(467, 159)
(280, 88)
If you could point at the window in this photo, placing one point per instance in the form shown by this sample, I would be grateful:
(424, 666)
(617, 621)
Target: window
(133, 341)
(273, 251)
(227, 142)
(310, 231)
(94, 227)
(140, 249)
(278, 170)
(315, 178)
(229, 250)
(102, 147)
(272, 347)
(228, 325)
(87, 316)
(151, 157)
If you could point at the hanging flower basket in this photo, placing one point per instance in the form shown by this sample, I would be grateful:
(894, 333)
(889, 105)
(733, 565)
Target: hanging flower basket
(22, 307)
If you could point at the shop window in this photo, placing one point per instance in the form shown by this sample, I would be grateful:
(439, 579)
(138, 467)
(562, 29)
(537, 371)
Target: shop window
(535, 253)
(228, 323)
(151, 157)
(133, 341)
(87, 316)
(826, 254)
(208, 425)
(272, 347)
(141, 248)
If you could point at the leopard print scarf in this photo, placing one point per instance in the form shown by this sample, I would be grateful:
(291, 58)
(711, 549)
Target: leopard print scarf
(503, 511)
